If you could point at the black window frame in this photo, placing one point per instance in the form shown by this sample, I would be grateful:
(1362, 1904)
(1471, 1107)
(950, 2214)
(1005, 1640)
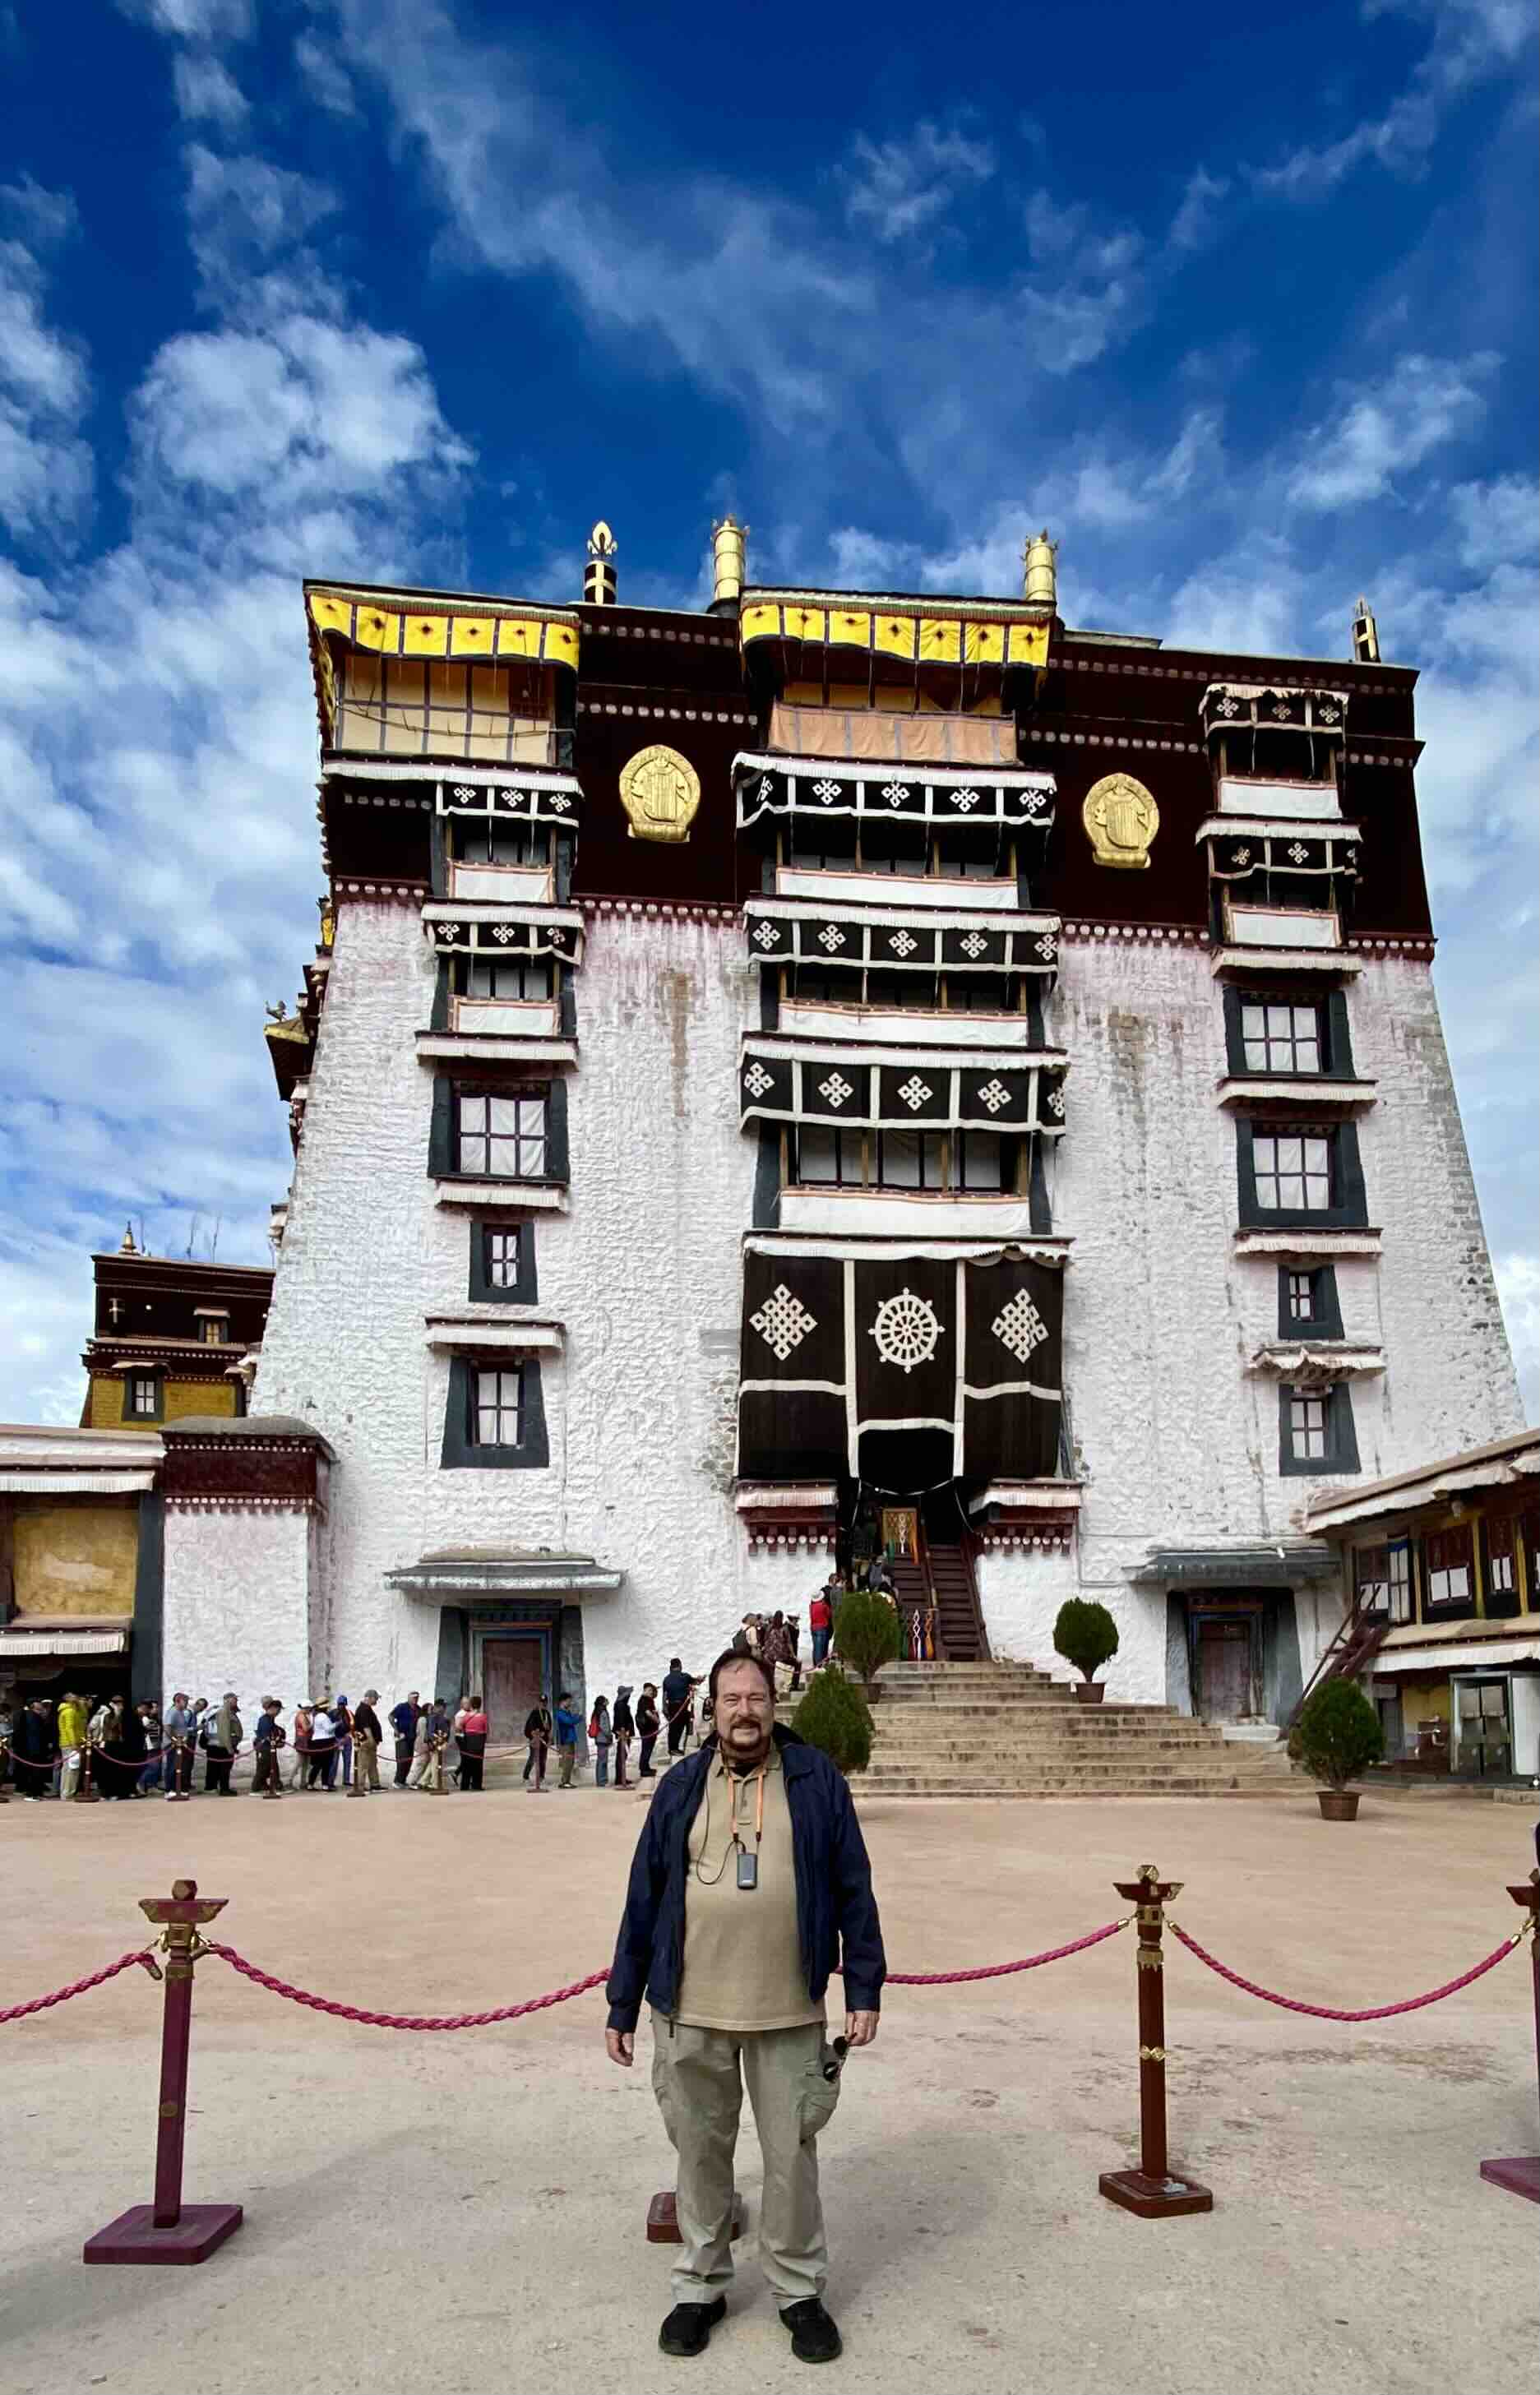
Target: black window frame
(1348, 1202)
(1339, 1435)
(461, 1450)
(156, 1381)
(1431, 1559)
(443, 1134)
(1501, 1604)
(461, 969)
(1332, 1030)
(928, 1140)
(514, 831)
(849, 1141)
(522, 1290)
(1324, 1319)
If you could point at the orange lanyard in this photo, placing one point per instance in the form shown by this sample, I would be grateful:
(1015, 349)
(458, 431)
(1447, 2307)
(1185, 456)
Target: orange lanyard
(733, 1785)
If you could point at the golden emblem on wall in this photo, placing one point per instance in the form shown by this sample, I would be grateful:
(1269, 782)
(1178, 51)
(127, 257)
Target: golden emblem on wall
(660, 791)
(1121, 819)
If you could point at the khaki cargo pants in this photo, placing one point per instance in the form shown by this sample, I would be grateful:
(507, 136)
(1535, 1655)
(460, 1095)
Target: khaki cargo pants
(698, 2079)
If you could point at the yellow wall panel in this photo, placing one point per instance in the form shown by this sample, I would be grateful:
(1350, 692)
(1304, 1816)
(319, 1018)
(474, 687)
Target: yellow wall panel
(561, 644)
(426, 636)
(184, 1398)
(940, 638)
(848, 629)
(379, 630)
(1028, 645)
(470, 636)
(760, 622)
(75, 1556)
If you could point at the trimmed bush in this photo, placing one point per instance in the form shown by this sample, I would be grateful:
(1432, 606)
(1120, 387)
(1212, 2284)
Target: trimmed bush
(1085, 1634)
(834, 1716)
(1338, 1734)
(867, 1632)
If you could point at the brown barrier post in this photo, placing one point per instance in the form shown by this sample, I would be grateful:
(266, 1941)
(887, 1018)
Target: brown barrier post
(1521, 2173)
(1154, 2190)
(169, 2231)
(85, 1793)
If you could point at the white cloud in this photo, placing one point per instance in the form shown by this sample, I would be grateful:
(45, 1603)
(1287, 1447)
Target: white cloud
(1193, 225)
(1499, 522)
(46, 471)
(1519, 1287)
(1382, 433)
(206, 89)
(194, 21)
(247, 217)
(323, 77)
(897, 188)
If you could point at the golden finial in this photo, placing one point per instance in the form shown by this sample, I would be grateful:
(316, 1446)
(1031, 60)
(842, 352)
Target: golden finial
(598, 578)
(1040, 573)
(729, 561)
(127, 1247)
(1365, 635)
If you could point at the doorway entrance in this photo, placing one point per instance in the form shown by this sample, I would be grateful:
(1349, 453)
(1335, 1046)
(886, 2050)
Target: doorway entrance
(1224, 1690)
(514, 1674)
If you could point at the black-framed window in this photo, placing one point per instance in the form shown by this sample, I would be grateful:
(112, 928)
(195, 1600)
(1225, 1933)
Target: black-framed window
(1500, 1565)
(495, 1415)
(895, 847)
(142, 1397)
(821, 844)
(213, 1330)
(1529, 1541)
(1287, 1033)
(979, 1160)
(1315, 1429)
(962, 854)
(487, 840)
(1298, 1175)
(500, 1137)
(1382, 1579)
(521, 977)
(908, 1159)
(978, 994)
(502, 1262)
(1449, 1570)
(825, 986)
(828, 1155)
(1307, 1302)
(902, 989)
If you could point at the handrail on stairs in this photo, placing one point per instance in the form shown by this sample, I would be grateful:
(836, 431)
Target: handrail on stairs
(1359, 1638)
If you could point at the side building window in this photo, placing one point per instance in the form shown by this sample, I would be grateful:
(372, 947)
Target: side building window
(512, 1131)
(1307, 1302)
(1296, 1175)
(1382, 1579)
(1281, 1034)
(141, 1397)
(1500, 1565)
(1450, 1583)
(494, 1414)
(1315, 1429)
(502, 1263)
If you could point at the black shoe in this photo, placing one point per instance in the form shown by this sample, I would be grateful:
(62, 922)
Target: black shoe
(814, 2335)
(688, 2327)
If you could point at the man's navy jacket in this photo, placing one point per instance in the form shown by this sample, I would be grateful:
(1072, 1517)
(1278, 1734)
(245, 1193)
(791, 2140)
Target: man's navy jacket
(835, 1906)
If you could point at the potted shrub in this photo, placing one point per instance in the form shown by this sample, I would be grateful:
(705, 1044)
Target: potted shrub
(1086, 1635)
(867, 1632)
(835, 1717)
(1336, 1736)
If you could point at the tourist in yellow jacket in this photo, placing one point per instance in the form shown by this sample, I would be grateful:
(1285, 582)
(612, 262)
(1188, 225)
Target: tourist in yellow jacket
(72, 1719)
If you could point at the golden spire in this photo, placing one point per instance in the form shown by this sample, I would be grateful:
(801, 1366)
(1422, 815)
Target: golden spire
(127, 1247)
(1040, 574)
(1365, 635)
(729, 561)
(599, 578)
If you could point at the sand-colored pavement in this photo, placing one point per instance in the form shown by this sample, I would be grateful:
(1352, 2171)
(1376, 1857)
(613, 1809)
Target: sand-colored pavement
(465, 2212)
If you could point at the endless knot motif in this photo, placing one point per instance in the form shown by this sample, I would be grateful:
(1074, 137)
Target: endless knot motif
(1349, 856)
(757, 1080)
(502, 934)
(903, 944)
(765, 935)
(464, 790)
(836, 1089)
(914, 1091)
(965, 800)
(1283, 708)
(1328, 713)
(1019, 1327)
(832, 937)
(1241, 856)
(1047, 948)
(444, 934)
(783, 1322)
(766, 787)
(906, 1330)
(827, 791)
(509, 798)
(1228, 707)
(895, 793)
(1035, 801)
(975, 945)
(994, 1094)
(1298, 853)
(559, 804)
(1056, 1101)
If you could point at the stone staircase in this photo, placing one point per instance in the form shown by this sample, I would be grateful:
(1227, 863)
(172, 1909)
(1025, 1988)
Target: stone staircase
(1008, 1729)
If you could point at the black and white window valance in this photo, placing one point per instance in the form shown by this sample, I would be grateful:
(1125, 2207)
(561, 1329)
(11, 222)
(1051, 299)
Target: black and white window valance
(1237, 854)
(902, 1089)
(528, 797)
(505, 932)
(899, 1365)
(928, 794)
(911, 940)
(1259, 707)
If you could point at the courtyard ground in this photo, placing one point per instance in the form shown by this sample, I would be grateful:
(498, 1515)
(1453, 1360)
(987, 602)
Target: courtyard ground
(465, 2212)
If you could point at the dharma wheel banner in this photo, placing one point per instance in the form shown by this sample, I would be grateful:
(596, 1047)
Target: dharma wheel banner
(899, 1369)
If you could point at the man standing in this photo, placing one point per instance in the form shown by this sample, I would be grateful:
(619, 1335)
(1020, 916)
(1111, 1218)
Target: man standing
(678, 1689)
(368, 1736)
(750, 1880)
(646, 1730)
(33, 1748)
(181, 1730)
(820, 1620)
(539, 1730)
(567, 1728)
(267, 1740)
(404, 1722)
(71, 1741)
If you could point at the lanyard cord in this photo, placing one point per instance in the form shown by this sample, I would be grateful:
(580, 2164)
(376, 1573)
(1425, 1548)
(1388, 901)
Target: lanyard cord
(735, 1842)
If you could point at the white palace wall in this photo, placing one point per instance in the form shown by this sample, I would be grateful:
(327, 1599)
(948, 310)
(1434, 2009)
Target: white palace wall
(1174, 1439)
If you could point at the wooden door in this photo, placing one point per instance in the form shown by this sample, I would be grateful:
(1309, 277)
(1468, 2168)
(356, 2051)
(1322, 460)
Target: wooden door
(512, 1668)
(1223, 1670)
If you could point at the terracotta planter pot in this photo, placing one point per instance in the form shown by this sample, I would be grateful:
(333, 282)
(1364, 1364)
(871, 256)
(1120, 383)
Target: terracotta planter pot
(1089, 1692)
(1338, 1804)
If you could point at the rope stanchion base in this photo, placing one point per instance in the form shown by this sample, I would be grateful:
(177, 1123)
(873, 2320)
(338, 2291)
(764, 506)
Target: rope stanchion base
(663, 2219)
(1155, 2199)
(136, 2236)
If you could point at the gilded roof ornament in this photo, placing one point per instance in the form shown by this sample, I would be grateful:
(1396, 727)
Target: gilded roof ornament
(1039, 572)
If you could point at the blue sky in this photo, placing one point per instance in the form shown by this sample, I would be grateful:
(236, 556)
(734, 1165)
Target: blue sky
(1240, 303)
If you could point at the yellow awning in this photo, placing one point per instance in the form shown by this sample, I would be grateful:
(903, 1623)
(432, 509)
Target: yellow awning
(438, 631)
(897, 630)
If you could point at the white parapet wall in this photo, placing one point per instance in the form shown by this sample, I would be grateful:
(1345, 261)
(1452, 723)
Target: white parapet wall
(237, 1604)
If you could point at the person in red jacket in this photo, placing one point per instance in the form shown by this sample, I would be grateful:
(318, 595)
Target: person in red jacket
(820, 1621)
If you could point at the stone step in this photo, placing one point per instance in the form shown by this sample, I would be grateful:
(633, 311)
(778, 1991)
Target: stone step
(1163, 1785)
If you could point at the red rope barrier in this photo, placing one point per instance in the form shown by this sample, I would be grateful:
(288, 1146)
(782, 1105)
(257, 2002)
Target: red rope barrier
(1327, 2012)
(143, 1954)
(1002, 1970)
(402, 2020)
